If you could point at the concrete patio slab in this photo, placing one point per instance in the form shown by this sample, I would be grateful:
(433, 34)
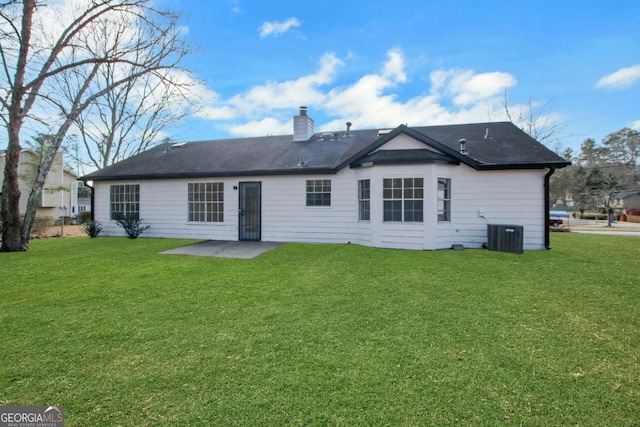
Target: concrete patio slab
(224, 249)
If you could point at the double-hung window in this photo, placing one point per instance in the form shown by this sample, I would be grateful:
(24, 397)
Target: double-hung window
(392, 198)
(403, 199)
(124, 201)
(318, 192)
(364, 200)
(444, 199)
(206, 201)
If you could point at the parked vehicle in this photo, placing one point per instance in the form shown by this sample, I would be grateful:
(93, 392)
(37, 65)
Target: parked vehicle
(557, 218)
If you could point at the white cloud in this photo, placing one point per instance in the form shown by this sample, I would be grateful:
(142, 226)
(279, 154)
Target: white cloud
(394, 67)
(466, 87)
(216, 113)
(289, 94)
(266, 108)
(235, 6)
(622, 79)
(636, 125)
(275, 28)
(207, 103)
(371, 101)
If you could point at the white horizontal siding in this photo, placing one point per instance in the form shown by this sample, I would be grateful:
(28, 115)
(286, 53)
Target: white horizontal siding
(286, 218)
(501, 197)
(493, 197)
(402, 235)
(163, 206)
(363, 233)
(512, 197)
(405, 142)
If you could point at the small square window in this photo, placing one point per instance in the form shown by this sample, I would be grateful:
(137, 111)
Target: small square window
(318, 192)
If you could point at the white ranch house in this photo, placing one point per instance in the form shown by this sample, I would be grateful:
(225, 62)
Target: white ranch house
(419, 188)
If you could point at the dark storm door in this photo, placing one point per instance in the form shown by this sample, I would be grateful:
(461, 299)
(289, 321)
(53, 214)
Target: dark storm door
(249, 210)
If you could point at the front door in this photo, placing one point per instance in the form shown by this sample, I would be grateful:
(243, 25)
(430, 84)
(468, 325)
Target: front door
(249, 211)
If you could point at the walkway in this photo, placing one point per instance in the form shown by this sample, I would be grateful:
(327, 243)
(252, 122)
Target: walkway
(224, 249)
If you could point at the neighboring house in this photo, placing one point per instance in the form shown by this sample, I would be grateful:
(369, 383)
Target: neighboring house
(626, 200)
(59, 194)
(84, 204)
(409, 187)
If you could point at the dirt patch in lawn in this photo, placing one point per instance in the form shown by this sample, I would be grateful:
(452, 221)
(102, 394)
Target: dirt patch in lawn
(58, 231)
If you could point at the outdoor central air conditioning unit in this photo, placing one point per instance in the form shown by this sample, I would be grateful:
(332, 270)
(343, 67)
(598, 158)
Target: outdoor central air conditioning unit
(505, 238)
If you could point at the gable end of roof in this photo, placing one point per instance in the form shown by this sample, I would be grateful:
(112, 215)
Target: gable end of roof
(450, 156)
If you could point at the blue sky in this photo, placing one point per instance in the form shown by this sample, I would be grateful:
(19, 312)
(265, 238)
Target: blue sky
(382, 63)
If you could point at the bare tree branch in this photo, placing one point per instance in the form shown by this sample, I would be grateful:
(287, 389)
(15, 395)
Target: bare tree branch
(134, 39)
(536, 119)
(129, 119)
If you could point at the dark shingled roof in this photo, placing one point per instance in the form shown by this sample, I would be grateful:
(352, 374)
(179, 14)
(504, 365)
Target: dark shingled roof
(506, 147)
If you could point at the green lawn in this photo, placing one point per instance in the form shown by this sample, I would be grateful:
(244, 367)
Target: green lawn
(323, 335)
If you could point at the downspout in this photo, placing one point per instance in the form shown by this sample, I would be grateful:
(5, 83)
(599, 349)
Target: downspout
(64, 210)
(547, 240)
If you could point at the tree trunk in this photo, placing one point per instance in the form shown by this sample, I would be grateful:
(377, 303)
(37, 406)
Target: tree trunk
(10, 211)
(30, 213)
(11, 224)
(38, 185)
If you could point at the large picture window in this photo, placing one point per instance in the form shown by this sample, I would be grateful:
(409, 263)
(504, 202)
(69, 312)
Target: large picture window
(364, 200)
(318, 192)
(444, 199)
(206, 201)
(124, 201)
(403, 199)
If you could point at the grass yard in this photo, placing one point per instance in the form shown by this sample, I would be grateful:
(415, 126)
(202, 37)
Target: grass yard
(323, 335)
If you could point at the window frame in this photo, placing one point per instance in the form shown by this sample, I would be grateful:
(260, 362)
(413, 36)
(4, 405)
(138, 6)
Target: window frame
(126, 198)
(205, 202)
(444, 200)
(318, 193)
(403, 200)
(364, 200)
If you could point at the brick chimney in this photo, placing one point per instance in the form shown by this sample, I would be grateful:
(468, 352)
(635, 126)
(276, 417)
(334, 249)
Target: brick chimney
(302, 126)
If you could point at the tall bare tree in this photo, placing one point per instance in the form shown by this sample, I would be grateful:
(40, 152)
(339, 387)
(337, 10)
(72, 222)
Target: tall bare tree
(130, 35)
(537, 120)
(130, 118)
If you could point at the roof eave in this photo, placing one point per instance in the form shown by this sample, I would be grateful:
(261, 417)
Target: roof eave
(210, 174)
(510, 166)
